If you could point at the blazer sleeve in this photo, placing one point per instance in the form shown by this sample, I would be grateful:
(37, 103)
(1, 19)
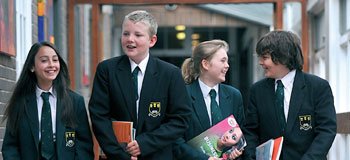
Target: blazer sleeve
(84, 144)
(239, 112)
(177, 117)
(100, 117)
(251, 127)
(184, 151)
(10, 148)
(325, 122)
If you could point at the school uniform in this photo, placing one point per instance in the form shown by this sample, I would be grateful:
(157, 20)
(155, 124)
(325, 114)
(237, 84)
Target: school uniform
(311, 120)
(157, 128)
(230, 103)
(70, 143)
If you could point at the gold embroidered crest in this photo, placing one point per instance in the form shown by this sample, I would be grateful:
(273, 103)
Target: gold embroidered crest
(154, 109)
(70, 137)
(305, 122)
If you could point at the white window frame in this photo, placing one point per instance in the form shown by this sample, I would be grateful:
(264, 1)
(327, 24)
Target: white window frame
(23, 33)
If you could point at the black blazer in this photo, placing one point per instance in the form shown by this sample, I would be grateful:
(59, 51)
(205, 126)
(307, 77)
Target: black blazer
(311, 97)
(113, 98)
(25, 145)
(230, 103)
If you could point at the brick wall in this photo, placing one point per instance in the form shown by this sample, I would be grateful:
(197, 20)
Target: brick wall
(8, 73)
(7, 83)
(34, 21)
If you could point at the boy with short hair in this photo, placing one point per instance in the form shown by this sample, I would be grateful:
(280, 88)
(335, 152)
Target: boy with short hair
(142, 89)
(289, 102)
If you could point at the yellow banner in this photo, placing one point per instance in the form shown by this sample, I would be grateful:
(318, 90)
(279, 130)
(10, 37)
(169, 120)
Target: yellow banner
(41, 8)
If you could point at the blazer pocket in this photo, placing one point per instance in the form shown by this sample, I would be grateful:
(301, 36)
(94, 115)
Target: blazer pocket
(68, 153)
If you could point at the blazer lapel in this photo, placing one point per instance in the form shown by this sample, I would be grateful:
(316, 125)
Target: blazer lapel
(269, 100)
(150, 81)
(123, 75)
(199, 105)
(297, 97)
(60, 128)
(224, 102)
(32, 109)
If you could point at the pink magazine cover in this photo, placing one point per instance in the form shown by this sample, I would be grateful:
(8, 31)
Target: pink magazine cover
(220, 140)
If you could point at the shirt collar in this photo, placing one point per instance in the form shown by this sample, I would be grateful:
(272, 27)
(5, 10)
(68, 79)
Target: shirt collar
(206, 89)
(142, 65)
(288, 79)
(38, 92)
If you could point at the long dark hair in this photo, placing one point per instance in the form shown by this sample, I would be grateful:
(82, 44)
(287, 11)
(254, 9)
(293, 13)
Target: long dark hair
(26, 85)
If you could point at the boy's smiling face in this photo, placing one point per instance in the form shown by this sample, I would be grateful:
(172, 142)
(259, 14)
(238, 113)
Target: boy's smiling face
(272, 70)
(136, 40)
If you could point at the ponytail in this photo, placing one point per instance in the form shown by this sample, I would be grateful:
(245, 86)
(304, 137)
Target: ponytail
(189, 72)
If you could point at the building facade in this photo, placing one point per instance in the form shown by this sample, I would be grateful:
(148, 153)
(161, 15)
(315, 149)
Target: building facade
(32, 20)
(37, 20)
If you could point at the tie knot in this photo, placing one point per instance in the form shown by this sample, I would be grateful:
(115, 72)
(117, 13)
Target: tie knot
(212, 93)
(45, 95)
(279, 84)
(136, 70)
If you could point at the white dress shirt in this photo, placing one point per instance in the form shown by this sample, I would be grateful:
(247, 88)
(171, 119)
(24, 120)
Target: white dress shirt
(207, 99)
(140, 76)
(287, 82)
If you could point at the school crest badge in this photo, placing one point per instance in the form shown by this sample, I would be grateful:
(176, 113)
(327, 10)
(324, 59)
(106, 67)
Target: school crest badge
(154, 109)
(305, 122)
(70, 137)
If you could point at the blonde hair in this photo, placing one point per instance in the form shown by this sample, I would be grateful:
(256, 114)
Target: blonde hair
(192, 68)
(145, 18)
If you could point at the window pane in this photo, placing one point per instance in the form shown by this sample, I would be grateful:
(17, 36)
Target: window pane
(176, 38)
(82, 15)
(160, 39)
(344, 15)
(292, 17)
(220, 33)
(320, 31)
(200, 34)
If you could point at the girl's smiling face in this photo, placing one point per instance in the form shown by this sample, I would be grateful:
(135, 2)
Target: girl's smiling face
(46, 66)
(216, 67)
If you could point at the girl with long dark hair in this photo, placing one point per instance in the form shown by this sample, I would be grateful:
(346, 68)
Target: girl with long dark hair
(45, 119)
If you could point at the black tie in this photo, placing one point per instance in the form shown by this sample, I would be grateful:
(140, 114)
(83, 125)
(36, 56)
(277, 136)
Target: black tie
(216, 115)
(134, 77)
(47, 144)
(280, 104)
